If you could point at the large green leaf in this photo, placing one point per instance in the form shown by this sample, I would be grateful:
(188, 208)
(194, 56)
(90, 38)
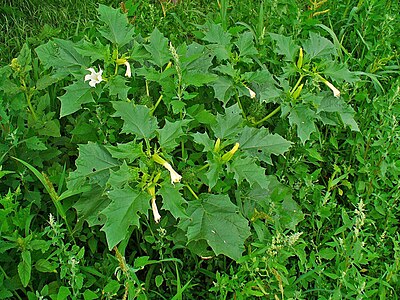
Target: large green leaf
(223, 88)
(171, 132)
(203, 139)
(318, 47)
(158, 48)
(285, 46)
(332, 104)
(304, 118)
(123, 212)
(118, 87)
(129, 151)
(245, 44)
(173, 200)
(246, 169)
(96, 50)
(274, 200)
(68, 55)
(77, 94)
(117, 28)
(259, 143)
(89, 206)
(94, 163)
(137, 119)
(215, 219)
(264, 84)
(229, 124)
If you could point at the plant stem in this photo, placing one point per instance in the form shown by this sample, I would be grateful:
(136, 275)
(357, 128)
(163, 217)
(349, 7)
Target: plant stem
(240, 106)
(191, 191)
(268, 116)
(155, 105)
(203, 167)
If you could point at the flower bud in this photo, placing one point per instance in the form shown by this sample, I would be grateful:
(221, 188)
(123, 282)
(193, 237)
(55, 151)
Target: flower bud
(300, 60)
(228, 156)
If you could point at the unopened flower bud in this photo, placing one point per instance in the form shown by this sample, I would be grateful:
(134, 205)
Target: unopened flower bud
(228, 156)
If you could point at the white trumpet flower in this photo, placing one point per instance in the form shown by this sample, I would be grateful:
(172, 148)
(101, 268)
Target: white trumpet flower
(156, 214)
(94, 77)
(175, 177)
(252, 93)
(128, 72)
(335, 91)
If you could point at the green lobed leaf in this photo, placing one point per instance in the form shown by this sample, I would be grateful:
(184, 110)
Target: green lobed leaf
(117, 28)
(158, 48)
(317, 46)
(128, 151)
(123, 176)
(203, 139)
(264, 84)
(96, 50)
(259, 143)
(173, 200)
(170, 133)
(89, 206)
(339, 73)
(245, 44)
(137, 119)
(94, 163)
(77, 94)
(68, 55)
(25, 58)
(228, 125)
(245, 168)
(217, 35)
(123, 212)
(304, 118)
(285, 46)
(34, 143)
(216, 220)
(117, 86)
(213, 173)
(223, 88)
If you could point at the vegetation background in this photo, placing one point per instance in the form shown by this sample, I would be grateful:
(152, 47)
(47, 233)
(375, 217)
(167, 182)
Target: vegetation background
(344, 245)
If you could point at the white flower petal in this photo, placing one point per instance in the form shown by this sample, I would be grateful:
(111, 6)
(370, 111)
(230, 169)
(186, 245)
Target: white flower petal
(94, 77)
(128, 72)
(156, 214)
(175, 177)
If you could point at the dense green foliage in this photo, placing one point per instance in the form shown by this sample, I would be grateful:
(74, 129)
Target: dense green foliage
(224, 150)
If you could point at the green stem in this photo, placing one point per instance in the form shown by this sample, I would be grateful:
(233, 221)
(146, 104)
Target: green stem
(240, 106)
(191, 191)
(155, 105)
(203, 167)
(268, 116)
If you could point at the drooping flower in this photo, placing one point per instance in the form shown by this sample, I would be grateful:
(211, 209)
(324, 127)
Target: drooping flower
(94, 77)
(128, 72)
(175, 177)
(252, 93)
(156, 214)
(335, 91)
